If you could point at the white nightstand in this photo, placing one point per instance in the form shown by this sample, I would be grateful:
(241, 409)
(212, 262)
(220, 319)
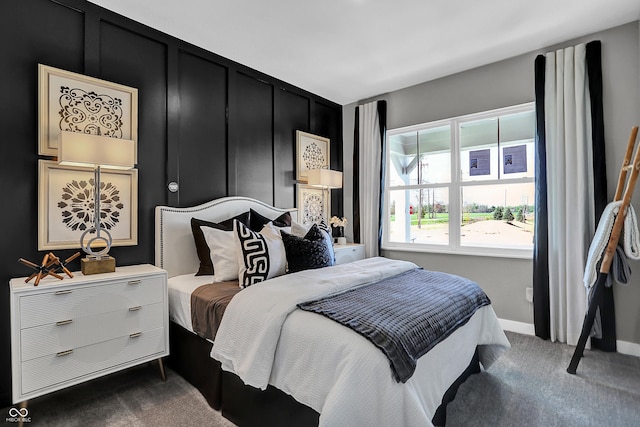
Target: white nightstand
(348, 253)
(65, 332)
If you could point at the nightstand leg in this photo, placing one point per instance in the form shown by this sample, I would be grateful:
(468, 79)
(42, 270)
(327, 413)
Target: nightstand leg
(23, 405)
(162, 373)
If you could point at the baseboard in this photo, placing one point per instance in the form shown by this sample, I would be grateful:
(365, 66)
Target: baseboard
(630, 348)
(623, 347)
(518, 327)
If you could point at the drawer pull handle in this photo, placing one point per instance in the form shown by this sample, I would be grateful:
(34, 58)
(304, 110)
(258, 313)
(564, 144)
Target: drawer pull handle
(134, 282)
(63, 292)
(136, 308)
(63, 322)
(64, 353)
(135, 335)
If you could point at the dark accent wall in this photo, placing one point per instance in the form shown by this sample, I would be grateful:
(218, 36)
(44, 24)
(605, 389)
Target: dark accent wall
(215, 126)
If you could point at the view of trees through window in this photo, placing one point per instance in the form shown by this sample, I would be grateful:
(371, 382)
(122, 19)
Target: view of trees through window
(491, 196)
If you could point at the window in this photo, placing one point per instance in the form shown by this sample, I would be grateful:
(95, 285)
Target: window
(463, 185)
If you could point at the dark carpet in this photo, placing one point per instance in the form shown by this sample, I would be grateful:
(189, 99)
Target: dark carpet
(131, 398)
(527, 386)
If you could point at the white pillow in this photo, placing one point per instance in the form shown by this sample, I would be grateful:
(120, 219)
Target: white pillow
(296, 229)
(299, 230)
(261, 256)
(222, 245)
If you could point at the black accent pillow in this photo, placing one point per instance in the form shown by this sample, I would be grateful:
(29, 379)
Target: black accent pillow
(314, 250)
(328, 235)
(322, 225)
(204, 254)
(257, 221)
(329, 239)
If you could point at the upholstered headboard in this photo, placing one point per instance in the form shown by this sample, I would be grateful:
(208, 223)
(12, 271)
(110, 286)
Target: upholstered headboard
(175, 248)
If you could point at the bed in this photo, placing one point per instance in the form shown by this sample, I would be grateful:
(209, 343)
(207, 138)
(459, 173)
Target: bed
(303, 368)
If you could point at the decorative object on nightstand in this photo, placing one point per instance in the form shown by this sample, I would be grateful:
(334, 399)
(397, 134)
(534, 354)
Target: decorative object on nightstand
(41, 271)
(80, 149)
(338, 225)
(67, 332)
(63, 264)
(49, 267)
(326, 179)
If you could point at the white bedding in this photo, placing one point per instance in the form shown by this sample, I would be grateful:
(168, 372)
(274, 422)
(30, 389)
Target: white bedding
(264, 340)
(180, 289)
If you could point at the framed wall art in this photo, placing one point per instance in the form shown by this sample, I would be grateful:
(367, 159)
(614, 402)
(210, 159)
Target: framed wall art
(313, 203)
(65, 205)
(312, 152)
(77, 103)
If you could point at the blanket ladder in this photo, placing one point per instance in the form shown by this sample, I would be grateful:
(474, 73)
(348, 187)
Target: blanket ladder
(624, 190)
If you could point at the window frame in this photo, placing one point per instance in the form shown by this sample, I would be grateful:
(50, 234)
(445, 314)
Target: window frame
(454, 186)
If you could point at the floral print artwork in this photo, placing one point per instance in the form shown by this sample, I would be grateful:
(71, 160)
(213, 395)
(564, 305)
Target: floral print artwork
(312, 152)
(313, 157)
(66, 207)
(77, 205)
(89, 112)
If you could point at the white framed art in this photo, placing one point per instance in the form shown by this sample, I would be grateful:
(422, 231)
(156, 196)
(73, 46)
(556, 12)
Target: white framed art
(65, 205)
(312, 152)
(313, 203)
(77, 103)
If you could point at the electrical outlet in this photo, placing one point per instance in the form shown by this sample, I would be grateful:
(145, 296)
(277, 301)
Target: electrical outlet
(528, 295)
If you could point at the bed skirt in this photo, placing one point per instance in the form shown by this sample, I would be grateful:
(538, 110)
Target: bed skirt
(190, 358)
(226, 392)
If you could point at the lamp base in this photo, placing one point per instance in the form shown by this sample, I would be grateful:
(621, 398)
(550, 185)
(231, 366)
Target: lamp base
(106, 264)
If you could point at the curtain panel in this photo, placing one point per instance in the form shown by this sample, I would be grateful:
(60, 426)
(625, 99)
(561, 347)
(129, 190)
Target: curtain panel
(570, 188)
(368, 174)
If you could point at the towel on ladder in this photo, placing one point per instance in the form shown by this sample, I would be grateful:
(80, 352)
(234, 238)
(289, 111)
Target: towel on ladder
(630, 240)
(620, 267)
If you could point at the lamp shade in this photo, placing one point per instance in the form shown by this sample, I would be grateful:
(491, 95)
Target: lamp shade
(82, 149)
(325, 178)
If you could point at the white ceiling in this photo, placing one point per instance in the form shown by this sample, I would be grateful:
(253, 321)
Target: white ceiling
(348, 50)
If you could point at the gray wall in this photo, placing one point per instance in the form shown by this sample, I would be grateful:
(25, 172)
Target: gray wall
(502, 84)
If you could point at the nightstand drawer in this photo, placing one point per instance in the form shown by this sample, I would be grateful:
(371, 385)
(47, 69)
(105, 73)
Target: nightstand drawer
(36, 310)
(50, 370)
(81, 332)
(348, 253)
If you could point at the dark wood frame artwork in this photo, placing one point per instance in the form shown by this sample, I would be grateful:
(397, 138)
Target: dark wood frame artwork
(247, 406)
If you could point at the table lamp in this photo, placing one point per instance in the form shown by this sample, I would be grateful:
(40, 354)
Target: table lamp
(326, 179)
(81, 149)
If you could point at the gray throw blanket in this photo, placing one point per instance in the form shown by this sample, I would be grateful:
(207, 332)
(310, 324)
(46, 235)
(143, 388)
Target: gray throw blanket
(406, 315)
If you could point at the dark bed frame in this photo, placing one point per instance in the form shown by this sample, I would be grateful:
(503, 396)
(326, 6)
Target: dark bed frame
(248, 406)
(241, 404)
